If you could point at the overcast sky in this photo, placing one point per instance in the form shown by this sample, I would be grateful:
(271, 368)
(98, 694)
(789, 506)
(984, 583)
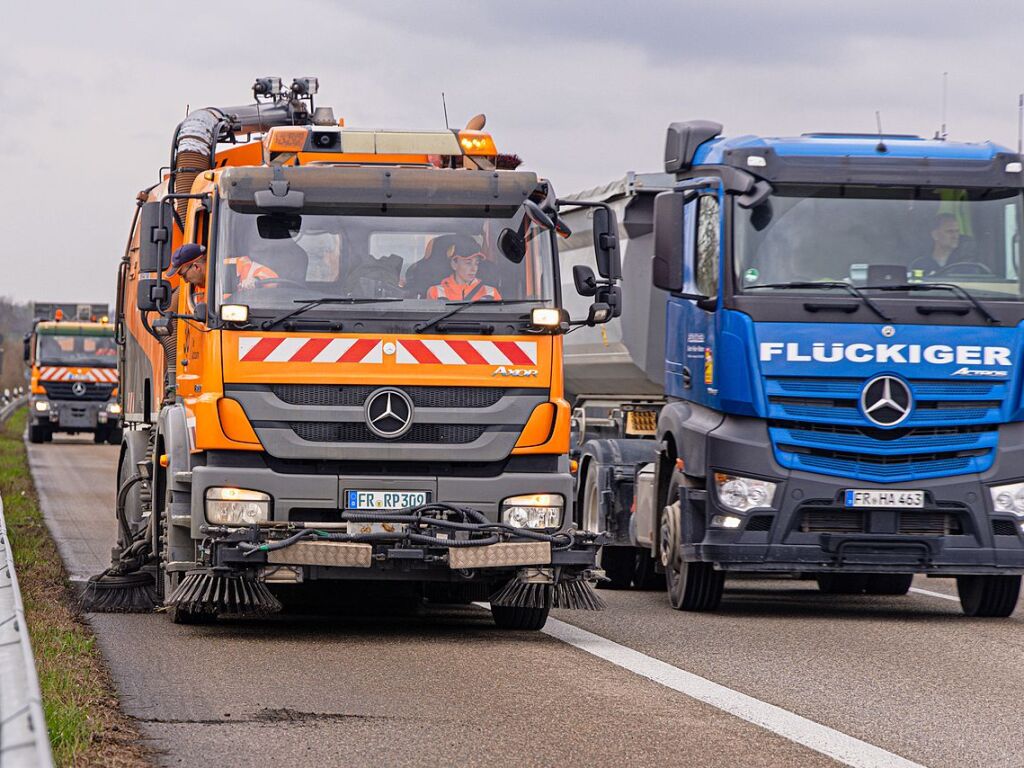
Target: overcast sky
(581, 89)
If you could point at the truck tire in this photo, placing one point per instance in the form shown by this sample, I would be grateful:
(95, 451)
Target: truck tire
(694, 587)
(988, 596)
(618, 563)
(115, 435)
(101, 435)
(889, 583)
(38, 433)
(513, 617)
(843, 583)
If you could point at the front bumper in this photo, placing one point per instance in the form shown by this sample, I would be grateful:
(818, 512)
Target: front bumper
(809, 529)
(313, 501)
(73, 416)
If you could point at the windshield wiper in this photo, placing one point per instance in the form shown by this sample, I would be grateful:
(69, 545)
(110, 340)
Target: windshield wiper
(952, 287)
(461, 305)
(309, 304)
(852, 290)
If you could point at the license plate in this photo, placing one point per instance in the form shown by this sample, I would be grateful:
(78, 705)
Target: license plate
(384, 500)
(885, 499)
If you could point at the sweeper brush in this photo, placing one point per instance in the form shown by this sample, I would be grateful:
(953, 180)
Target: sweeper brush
(573, 595)
(112, 592)
(214, 592)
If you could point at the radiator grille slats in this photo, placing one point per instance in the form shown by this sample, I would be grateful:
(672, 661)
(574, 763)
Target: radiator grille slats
(61, 390)
(358, 432)
(422, 397)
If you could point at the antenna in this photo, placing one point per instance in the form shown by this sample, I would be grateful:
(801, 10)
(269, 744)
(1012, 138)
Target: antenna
(945, 93)
(444, 106)
(1020, 124)
(881, 137)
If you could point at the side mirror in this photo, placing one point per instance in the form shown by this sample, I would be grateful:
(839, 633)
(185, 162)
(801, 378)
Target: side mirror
(153, 295)
(583, 277)
(26, 351)
(201, 312)
(606, 244)
(537, 216)
(599, 313)
(610, 295)
(667, 268)
(161, 327)
(512, 245)
(155, 227)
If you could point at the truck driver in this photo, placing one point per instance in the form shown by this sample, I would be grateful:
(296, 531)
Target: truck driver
(462, 284)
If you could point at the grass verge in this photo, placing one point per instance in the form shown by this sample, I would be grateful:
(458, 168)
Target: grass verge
(87, 727)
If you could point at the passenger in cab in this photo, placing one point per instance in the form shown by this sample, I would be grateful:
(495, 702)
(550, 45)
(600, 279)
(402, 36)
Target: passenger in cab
(462, 284)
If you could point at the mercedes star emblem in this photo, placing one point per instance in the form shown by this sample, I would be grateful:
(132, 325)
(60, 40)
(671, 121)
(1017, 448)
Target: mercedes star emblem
(78, 389)
(388, 413)
(886, 400)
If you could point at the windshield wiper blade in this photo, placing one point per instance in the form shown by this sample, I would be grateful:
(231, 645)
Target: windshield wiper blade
(850, 289)
(461, 305)
(960, 291)
(308, 304)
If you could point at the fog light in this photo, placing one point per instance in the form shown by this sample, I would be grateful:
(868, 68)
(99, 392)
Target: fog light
(725, 521)
(743, 493)
(234, 313)
(1008, 498)
(541, 510)
(42, 406)
(236, 506)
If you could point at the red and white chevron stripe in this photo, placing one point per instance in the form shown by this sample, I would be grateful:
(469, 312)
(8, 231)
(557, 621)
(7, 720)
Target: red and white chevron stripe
(465, 352)
(95, 375)
(298, 349)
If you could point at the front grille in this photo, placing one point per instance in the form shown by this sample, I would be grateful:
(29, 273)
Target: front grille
(824, 517)
(817, 425)
(1004, 528)
(61, 390)
(357, 432)
(833, 521)
(422, 397)
(929, 524)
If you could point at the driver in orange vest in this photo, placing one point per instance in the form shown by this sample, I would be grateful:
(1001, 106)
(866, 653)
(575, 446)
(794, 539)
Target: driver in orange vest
(462, 284)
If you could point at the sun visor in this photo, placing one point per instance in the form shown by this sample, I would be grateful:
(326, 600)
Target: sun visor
(401, 191)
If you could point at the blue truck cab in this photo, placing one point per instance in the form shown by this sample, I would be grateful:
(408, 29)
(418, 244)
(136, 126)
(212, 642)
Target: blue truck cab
(842, 368)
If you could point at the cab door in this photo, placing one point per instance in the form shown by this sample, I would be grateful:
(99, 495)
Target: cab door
(690, 369)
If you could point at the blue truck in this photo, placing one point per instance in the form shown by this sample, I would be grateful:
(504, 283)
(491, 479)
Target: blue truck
(817, 371)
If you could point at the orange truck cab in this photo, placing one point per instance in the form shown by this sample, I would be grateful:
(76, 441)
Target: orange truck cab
(72, 359)
(307, 406)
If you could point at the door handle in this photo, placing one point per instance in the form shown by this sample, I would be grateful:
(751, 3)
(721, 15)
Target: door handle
(687, 377)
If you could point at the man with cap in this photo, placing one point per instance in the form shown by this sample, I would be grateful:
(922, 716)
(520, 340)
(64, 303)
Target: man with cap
(462, 284)
(189, 261)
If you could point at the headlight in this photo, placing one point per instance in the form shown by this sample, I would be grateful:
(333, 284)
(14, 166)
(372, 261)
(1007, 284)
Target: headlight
(1008, 498)
(42, 405)
(114, 408)
(541, 510)
(743, 493)
(236, 506)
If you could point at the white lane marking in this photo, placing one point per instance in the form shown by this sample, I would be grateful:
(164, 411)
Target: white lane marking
(835, 744)
(928, 592)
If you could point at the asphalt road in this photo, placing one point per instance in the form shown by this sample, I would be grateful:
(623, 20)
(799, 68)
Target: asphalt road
(910, 675)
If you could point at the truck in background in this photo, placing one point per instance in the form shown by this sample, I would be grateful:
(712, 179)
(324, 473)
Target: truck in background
(818, 370)
(346, 417)
(72, 359)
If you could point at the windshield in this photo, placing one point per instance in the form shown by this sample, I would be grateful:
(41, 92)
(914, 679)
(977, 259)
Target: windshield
(82, 351)
(874, 236)
(382, 263)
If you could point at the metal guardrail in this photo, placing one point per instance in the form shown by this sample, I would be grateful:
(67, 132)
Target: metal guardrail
(24, 742)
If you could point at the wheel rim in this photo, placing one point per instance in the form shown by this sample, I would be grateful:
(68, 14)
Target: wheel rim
(671, 557)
